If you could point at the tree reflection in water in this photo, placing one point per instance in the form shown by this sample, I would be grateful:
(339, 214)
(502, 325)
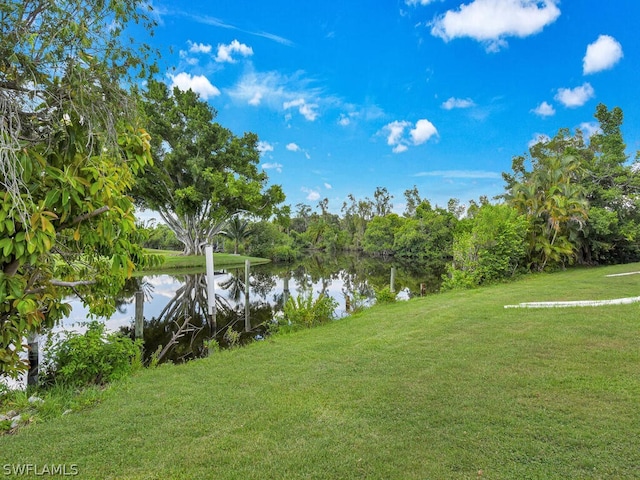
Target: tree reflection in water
(351, 280)
(186, 327)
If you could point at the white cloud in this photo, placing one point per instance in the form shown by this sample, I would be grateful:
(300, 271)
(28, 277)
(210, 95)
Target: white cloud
(590, 128)
(544, 110)
(198, 47)
(198, 83)
(490, 21)
(225, 52)
(538, 138)
(184, 55)
(279, 93)
(291, 94)
(312, 195)
(328, 186)
(400, 148)
(264, 147)
(344, 120)
(418, 2)
(422, 132)
(306, 110)
(275, 166)
(292, 147)
(453, 102)
(575, 97)
(396, 130)
(254, 88)
(602, 54)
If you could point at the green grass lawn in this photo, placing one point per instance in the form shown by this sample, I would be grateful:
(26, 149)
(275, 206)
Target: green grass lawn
(450, 386)
(174, 260)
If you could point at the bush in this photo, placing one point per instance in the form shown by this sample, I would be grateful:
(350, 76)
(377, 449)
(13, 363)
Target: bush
(385, 295)
(305, 312)
(92, 358)
(283, 253)
(490, 248)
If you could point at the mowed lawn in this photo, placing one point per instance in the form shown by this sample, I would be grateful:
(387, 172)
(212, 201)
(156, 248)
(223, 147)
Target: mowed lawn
(449, 386)
(175, 261)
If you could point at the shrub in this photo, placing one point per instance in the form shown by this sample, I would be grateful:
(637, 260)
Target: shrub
(490, 248)
(305, 312)
(385, 295)
(92, 358)
(283, 253)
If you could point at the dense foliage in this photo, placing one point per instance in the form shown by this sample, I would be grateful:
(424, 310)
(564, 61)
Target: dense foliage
(74, 143)
(582, 200)
(567, 201)
(303, 311)
(70, 147)
(488, 246)
(92, 358)
(202, 174)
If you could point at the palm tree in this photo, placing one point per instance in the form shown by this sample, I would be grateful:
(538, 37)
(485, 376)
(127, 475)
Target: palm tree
(556, 207)
(237, 230)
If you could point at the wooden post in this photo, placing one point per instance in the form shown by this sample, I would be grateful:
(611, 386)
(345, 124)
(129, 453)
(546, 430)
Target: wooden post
(286, 292)
(34, 360)
(139, 321)
(423, 289)
(392, 283)
(247, 320)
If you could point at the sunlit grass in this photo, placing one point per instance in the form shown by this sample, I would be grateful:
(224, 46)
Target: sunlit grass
(176, 260)
(445, 387)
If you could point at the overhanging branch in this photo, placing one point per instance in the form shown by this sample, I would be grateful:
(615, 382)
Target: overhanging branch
(78, 283)
(87, 216)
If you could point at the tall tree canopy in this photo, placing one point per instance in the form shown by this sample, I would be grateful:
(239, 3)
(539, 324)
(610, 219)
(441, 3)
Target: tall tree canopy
(69, 149)
(583, 201)
(202, 173)
(612, 186)
(553, 200)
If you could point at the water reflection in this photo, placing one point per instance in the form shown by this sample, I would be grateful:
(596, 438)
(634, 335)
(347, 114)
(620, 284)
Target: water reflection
(172, 300)
(243, 312)
(175, 306)
(183, 328)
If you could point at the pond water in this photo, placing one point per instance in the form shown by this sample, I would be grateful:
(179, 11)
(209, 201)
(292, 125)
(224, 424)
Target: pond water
(172, 301)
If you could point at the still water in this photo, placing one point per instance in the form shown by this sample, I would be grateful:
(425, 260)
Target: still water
(172, 301)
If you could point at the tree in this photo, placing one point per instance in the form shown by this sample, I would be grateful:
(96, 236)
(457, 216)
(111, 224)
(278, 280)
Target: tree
(488, 247)
(356, 216)
(268, 241)
(380, 233)
(429, 235)
(584, 201)
(159, 237)
(413, 199)
(70, 145)
(237, 230)
(202, 173)
(382, 201)
(300, 222)
(612, 187)
(552, 198)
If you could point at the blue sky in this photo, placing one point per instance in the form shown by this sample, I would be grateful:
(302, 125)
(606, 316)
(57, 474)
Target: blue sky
(351, 95)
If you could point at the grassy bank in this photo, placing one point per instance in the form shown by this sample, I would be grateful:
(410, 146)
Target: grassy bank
(174, 260)
(447, 386)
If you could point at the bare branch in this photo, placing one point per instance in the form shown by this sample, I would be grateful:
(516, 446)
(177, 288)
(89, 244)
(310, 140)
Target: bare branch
(87, 216)
(60, 283)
